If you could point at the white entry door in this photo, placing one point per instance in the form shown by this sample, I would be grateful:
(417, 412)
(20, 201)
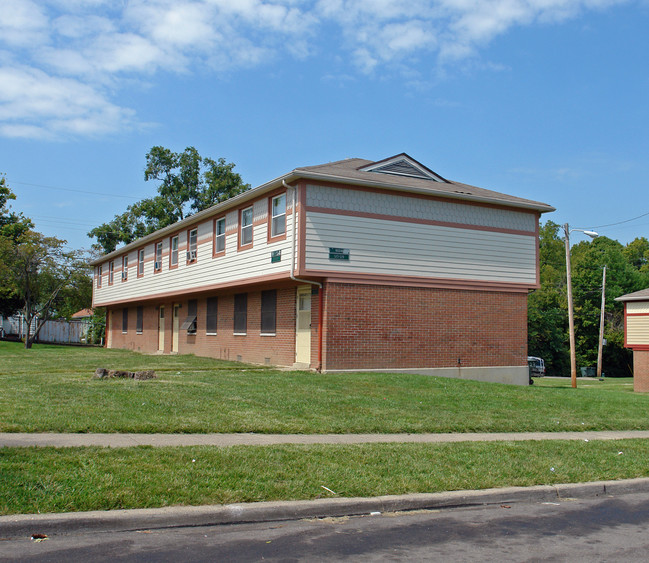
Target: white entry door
(303, 326)
(161, 329)
(175, 325)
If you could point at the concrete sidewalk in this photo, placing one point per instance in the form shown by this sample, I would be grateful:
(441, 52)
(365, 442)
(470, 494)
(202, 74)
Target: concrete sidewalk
(225, 440)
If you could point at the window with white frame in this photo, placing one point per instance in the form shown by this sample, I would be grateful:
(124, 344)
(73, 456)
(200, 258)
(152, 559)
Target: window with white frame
(111, 272)
(278, 215)
(158, 257)
(192, 245)
(245, 233)
(99, 270)
(125, 267)
(219, 235)
(173, 252)
(140, 262)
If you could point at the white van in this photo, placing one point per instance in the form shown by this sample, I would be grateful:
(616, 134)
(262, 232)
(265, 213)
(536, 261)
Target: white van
(537, 366)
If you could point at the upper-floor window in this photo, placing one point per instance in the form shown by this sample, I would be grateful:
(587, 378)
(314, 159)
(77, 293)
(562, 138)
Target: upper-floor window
(111, 272)
(278, 215)
(245, 227)
(157, 266)
(99, 270)
(192, 245)
(125, 267)
(173, 252)
(140, 262)
(219, 236)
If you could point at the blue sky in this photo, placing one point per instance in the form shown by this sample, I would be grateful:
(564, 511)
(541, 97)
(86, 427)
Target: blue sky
(542, 99)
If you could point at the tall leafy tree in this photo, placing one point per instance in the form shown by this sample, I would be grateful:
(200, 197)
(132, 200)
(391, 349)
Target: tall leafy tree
(12, 226)
(547, 315)
(188, 183)
(40, 272)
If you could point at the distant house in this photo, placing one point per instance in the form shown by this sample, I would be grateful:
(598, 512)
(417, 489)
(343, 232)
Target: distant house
(636, 335)
(350, 265)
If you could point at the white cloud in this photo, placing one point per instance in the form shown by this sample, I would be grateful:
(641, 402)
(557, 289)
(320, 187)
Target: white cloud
(68, 58)
(36, 105)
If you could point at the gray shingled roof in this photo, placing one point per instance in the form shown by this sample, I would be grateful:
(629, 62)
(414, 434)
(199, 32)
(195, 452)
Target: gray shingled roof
(348, 170)
(642, 295)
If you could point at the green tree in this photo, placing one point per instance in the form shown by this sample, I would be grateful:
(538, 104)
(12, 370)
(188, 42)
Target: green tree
(547, 313)
(622, 276)
(637, 253)
(188, 183)
(12, 227)
(39, 271)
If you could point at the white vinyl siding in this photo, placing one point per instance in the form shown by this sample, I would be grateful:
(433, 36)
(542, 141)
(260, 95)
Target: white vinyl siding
(207, 271)
(637, 330)
(395, 248)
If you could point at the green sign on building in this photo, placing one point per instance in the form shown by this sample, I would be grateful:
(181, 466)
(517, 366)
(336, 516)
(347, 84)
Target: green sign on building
(339, 254)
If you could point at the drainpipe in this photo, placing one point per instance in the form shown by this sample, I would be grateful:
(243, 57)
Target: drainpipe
(293, 190)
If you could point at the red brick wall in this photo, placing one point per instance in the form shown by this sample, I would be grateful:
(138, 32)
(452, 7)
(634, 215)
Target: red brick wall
(371, 326)
(254, 348)
(641, 371)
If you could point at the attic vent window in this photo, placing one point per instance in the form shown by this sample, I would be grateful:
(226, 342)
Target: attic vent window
(403, 166)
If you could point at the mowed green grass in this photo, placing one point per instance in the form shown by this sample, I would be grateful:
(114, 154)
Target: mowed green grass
(50, 389)
(77, 479)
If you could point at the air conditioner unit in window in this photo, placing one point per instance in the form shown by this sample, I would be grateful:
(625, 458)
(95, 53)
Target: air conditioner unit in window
(124, 275)
(157, 265)
(191, 255)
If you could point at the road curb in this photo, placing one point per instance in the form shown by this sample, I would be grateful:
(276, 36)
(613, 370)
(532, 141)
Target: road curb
(187, 516)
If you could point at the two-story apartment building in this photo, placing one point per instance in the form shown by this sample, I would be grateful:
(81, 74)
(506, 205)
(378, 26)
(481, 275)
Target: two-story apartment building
(350, 265)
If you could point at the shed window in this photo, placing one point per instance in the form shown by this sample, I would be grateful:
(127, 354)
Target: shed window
(240, 313)
(268, 311)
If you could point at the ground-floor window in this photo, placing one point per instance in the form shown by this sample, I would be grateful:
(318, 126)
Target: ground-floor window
(124, 320)
(241, 313)
(268, 311)
(140, 320)
(211, 315)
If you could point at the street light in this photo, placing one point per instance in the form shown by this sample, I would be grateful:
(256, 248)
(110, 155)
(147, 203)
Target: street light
(571, 320)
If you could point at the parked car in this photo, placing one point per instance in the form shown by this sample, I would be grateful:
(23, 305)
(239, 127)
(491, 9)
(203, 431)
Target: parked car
(537, 366)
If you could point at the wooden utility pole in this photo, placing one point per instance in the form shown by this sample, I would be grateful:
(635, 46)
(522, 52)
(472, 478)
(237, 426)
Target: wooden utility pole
(571, 319)
(600, 348)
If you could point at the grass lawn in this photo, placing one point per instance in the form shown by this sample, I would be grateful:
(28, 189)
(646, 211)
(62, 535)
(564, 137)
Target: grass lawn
(49, 389)
(76, 479)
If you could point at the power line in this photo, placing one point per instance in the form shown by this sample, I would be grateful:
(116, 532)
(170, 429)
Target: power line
(621, 222)
(71, 190)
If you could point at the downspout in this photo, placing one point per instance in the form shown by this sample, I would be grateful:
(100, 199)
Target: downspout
(300, 280)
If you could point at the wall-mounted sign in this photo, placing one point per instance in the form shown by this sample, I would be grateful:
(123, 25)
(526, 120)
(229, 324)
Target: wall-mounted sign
(275, 256)
(338, 253)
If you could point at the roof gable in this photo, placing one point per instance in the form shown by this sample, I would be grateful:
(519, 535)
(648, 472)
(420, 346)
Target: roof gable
(402, 165)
